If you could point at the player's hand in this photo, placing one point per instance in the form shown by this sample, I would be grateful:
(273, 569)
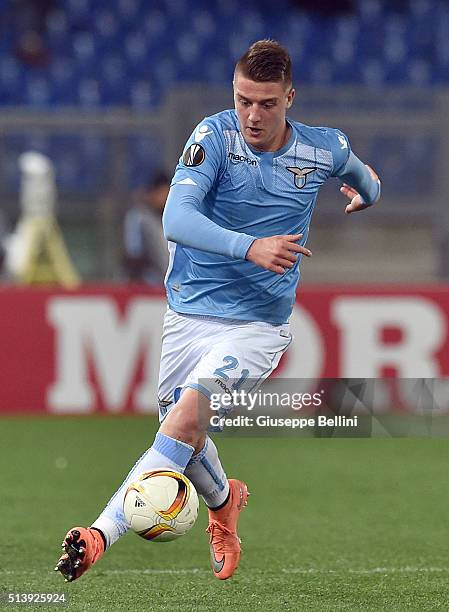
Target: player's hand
(356, 203)
(276, 253)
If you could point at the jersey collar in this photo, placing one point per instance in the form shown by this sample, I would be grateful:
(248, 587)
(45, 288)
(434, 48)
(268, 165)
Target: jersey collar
(280, 151)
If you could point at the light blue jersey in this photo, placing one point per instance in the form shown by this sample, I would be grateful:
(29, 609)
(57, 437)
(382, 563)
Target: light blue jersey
(225, 194)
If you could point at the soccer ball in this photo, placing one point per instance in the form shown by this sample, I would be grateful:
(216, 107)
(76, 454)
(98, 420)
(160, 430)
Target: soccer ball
(161, 505)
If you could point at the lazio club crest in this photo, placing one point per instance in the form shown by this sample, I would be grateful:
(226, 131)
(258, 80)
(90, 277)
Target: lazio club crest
(300, 175)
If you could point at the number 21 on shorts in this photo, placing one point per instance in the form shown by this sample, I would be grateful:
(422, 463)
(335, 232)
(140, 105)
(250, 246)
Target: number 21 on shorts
(231, 363)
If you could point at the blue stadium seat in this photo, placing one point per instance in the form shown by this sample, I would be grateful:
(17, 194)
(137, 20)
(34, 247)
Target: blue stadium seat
(64, 82)
(419, 73)
(11, 80)
(177, 8)
(164, 73)
(113, 70)
(370, 11)
(105, 26)
(38, 91)
(321, 72)
(204, 25)
(128, 11)
(58, 35)
(136, 52)
(89, 94)
(372, 73)
(228, 8)
(156, 25)
(188, 52)
(142, 96)
(343, 52)
(84, 47)
(78, 9)
(217, 70)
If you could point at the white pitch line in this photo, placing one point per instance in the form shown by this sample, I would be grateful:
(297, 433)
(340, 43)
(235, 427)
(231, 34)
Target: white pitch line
(285, 570)
(402, 570)
(192, 570)
(373, 570)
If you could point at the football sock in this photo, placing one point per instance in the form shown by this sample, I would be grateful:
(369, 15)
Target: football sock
(207, 475)
(103, 537)
(221, 505)
(166, 452)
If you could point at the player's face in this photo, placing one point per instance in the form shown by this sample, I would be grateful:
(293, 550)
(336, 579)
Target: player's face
(261, 109)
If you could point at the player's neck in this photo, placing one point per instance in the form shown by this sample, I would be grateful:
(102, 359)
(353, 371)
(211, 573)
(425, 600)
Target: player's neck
(286, 136)
(278, 143)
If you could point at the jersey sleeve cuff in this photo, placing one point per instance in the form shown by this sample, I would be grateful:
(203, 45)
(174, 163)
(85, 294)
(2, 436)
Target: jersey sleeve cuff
(375, 198)
(242, 245)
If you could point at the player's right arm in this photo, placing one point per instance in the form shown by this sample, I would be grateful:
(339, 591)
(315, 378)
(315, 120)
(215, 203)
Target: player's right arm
(198, 170)
(277, 253)
(184, 222)
(186, 225)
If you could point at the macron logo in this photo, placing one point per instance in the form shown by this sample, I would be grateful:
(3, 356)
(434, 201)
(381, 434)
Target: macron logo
(202, 132)
(187, 181)
(241, 158)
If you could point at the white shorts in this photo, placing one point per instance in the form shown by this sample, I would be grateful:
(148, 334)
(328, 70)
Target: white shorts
(202, 352)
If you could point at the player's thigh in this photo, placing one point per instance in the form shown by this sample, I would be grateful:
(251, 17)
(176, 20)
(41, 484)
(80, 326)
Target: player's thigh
(240, 358)
(180, 353)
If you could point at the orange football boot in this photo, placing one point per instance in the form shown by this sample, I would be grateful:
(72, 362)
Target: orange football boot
(83, 547)
(224, 541)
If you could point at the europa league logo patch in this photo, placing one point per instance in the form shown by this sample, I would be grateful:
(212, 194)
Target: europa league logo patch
(194, 156)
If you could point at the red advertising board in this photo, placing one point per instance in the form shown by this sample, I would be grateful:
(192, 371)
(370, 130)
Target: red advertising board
(97, 349)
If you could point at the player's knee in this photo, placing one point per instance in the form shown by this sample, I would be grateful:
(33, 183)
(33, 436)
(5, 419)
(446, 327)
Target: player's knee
(183, 429)
(188, 419)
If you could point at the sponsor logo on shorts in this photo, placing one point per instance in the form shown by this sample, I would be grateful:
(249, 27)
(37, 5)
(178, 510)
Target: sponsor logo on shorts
(221, 384)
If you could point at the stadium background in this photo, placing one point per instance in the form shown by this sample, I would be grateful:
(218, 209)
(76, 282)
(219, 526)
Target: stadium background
(109, 90)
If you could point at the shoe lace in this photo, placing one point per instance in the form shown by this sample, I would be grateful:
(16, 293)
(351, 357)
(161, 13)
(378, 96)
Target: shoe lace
(219, 535)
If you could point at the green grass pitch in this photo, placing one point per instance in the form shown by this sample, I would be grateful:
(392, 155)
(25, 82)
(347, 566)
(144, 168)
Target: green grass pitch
(332, 524)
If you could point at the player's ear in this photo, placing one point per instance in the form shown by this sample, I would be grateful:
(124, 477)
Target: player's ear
(290, 97)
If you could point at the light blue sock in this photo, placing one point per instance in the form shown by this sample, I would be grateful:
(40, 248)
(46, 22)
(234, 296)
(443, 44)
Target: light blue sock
(166, 452)
(207, 474)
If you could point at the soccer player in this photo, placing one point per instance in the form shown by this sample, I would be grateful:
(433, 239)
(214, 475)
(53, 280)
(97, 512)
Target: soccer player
(237, 219)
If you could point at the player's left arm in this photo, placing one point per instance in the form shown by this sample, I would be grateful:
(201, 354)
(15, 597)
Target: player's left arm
(361, 183)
